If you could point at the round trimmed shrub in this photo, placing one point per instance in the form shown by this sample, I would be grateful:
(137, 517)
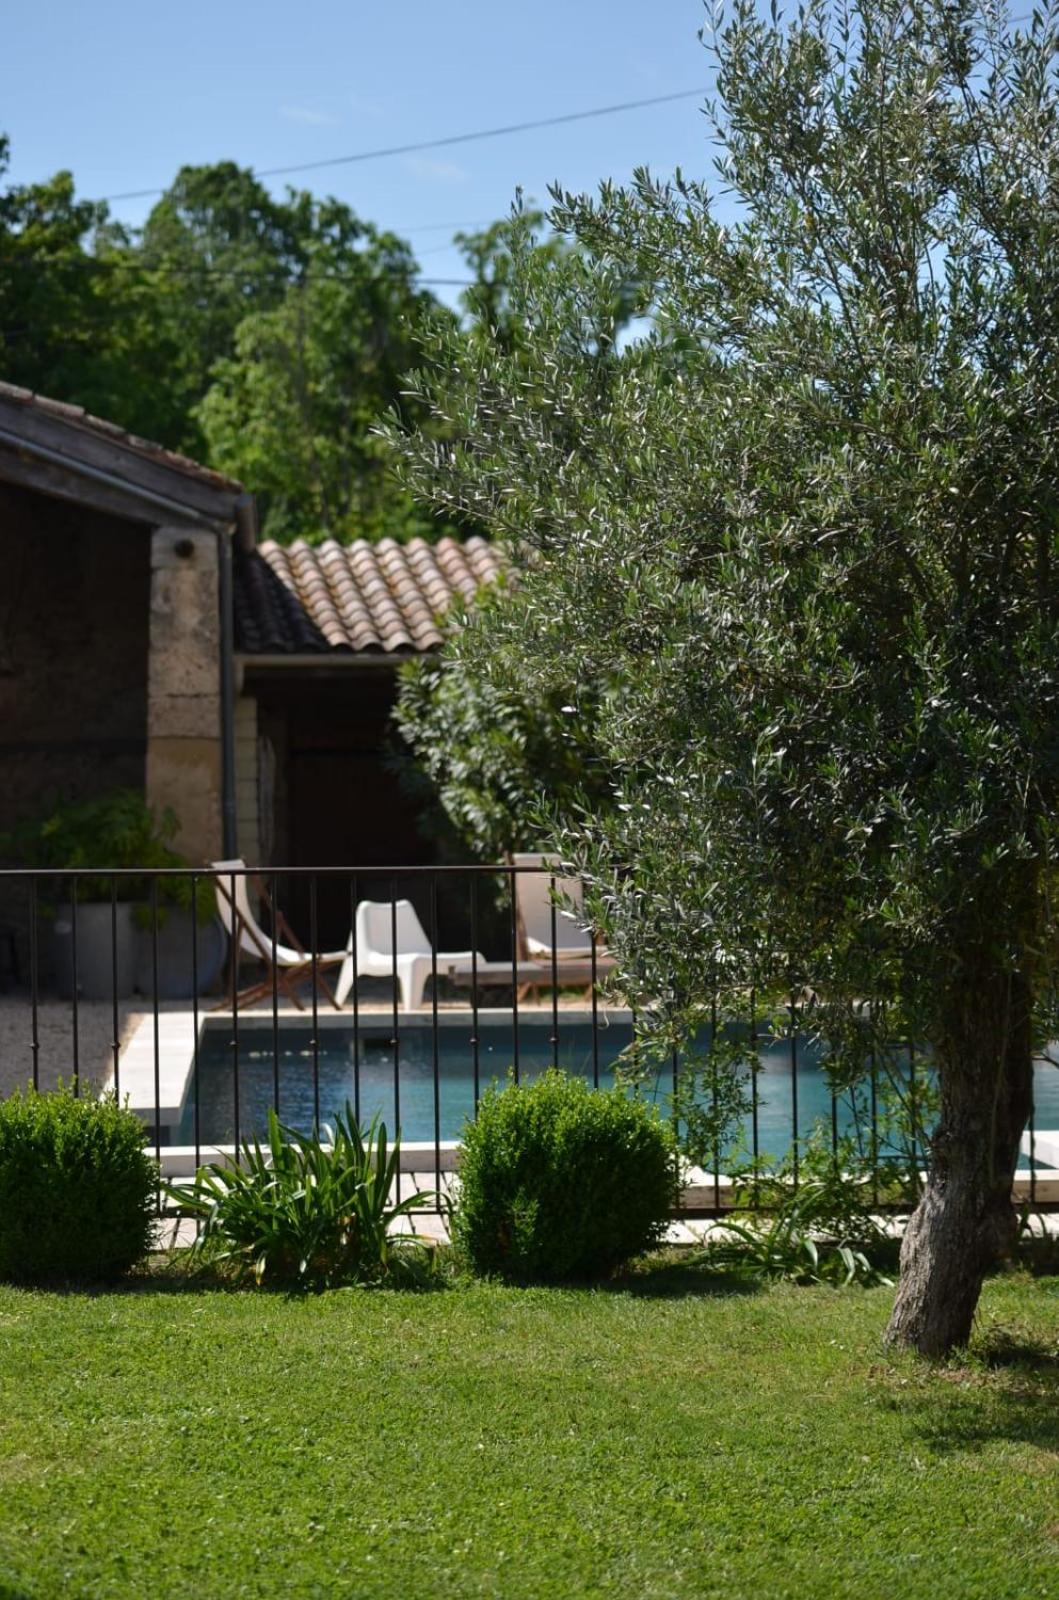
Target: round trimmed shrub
(77, 1188)
(562, 1183)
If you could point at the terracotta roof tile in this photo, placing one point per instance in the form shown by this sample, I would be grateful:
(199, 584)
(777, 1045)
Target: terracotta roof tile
(310, 599)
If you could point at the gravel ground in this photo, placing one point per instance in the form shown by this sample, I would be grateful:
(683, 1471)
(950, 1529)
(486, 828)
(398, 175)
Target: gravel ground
(95, 1033)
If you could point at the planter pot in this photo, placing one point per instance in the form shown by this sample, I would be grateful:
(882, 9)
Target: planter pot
(175, 966)
(106, 957)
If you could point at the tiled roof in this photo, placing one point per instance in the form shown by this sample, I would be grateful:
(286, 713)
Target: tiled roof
(310, 599)
(81, 418)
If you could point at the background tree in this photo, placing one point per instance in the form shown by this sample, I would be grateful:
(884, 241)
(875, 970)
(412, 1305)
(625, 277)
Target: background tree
(265, 336)
(58, 321)
(809, 526)
(292, 410)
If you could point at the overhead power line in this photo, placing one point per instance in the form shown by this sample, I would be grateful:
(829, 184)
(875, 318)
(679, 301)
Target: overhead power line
(438, 144)
(241, 275)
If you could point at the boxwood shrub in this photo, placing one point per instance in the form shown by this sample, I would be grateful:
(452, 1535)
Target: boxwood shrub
(77, 1188)
(562, 1183)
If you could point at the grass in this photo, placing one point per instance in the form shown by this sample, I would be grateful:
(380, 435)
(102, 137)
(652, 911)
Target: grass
(661, 1439)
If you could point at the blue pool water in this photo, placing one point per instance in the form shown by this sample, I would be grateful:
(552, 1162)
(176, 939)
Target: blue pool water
(361, 1069)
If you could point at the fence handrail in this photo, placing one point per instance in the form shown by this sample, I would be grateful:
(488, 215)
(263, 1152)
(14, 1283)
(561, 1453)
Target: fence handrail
(507, 869)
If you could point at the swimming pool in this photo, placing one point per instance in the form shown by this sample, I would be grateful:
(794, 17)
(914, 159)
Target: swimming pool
(360, 1067)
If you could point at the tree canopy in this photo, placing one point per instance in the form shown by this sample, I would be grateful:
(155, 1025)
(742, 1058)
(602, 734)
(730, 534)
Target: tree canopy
(797, 547)
(265, 336)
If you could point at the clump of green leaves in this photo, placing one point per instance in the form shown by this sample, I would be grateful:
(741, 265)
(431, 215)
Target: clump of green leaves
(77, 1189)
(307, 1211)
(114, 829)
(560, 1182)
(500, 760)
(819, 1232)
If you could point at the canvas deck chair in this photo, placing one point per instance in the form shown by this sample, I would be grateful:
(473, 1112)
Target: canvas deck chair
(288, 962)
(551, 936)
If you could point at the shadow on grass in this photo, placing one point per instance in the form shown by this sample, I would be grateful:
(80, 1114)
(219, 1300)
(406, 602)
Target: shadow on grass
(679, 1277)
(1008, 1391)
(174, 1276)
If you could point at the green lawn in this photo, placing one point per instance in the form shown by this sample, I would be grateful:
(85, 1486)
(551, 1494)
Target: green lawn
(483, 1441)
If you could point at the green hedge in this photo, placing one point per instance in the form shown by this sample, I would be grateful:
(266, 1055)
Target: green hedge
(561, 1183)
(77, 1189)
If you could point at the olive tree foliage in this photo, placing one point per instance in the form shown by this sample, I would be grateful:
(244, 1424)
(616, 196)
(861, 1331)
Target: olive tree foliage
(502, 761)
(807, 529)
(504, 758)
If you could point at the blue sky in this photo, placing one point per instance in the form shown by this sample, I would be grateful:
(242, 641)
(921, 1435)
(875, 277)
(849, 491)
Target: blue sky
(123, 94)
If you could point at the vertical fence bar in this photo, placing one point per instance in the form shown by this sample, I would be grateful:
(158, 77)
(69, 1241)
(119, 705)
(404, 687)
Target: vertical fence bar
(675, 1069)
(237, 925)
(874, 1136)
(157, 1041)
(595, 1015)
(115, 1034)
(755, 1130)
(196, 1085)
(313, 950)
(396, 1034)
(356, 998)
(273, 920)
(1033, 1134)
(913, 1110)
(834, 1127)
(794, 1084)
(475, 1036)
(716, 1129)
(34, 985)
(555, 978)
(435, 1057)
(73, 957)
(513, 883)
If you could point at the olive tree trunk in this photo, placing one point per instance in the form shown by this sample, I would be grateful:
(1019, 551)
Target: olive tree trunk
(965, 1221)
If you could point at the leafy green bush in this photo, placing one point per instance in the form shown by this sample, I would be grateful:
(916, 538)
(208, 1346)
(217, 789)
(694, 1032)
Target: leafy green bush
(77, 1189)
(116, 829)
(305, 1213)
(560, 1182)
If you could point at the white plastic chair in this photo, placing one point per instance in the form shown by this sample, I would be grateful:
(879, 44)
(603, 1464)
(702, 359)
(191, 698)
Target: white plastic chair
(533, 896)
(414, 962)
(292, 962)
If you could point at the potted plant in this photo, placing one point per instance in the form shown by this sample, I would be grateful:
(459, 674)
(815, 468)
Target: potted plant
(115, 917)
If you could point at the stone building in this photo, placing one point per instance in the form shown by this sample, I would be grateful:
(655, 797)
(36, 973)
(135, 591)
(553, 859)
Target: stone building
(115, 604)
(147, 640)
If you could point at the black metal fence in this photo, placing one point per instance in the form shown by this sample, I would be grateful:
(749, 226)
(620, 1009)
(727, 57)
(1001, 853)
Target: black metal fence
(206, 999)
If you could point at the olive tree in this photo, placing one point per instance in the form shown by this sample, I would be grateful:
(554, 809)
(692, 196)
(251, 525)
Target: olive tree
(805, 530)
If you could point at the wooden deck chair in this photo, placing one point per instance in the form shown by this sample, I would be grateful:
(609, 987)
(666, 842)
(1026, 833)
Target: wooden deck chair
(288, 962)
(550, 935)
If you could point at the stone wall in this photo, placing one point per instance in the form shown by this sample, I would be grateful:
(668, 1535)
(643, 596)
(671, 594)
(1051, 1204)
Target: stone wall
(74, 590)
(184, 704)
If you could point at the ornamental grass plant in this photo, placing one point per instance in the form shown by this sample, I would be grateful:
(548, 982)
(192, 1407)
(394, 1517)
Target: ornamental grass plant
(307, 1211)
